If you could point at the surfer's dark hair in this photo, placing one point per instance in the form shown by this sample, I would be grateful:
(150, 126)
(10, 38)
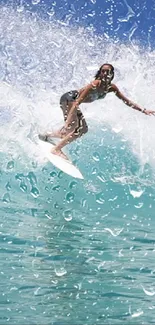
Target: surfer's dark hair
(97, 75)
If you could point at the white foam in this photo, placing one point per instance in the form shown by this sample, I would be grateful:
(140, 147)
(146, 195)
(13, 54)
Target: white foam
(44, 60)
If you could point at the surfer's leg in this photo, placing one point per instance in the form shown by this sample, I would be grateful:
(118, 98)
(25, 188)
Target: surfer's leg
(76, 133)
(66, 102)
(46, 136)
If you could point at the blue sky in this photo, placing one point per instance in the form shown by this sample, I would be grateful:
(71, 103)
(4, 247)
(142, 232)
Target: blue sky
(117, 19)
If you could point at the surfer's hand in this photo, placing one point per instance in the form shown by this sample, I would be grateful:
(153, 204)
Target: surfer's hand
(148, 112)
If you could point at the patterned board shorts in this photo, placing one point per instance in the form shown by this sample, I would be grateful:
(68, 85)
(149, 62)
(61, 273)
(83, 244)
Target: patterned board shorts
(71, 96)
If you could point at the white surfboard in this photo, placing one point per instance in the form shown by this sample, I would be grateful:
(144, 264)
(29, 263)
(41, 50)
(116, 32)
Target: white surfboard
(65, 165)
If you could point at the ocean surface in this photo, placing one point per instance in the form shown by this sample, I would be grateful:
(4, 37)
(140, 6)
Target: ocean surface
(75, 252)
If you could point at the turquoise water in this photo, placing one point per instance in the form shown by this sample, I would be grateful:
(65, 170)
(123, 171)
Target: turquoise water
(72, 251)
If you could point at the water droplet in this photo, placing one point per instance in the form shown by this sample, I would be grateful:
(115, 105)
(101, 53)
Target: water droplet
(134, 217)
(56, 205)
(56, 188)
(69, 197)
(19, 177)
(8, 186)
(72, 184)
(53, 174)
(100, 198)
(94, 171)
(92, 14)
(149, 293)
(136, 193)
(116, 232)
(139, 313)
(47, 214)
(34, 212)
(20, 8)
(51, 12)
(101, 177)
(32, 178)
(35, 2)
(34, 164)
(10, 165)
(34, 192)
(96, 156)
(6, 198)
(60, 174)
(60, 272)
(83, 203)
(45, 170)
(23, 186)
(139, 205)
(67, 215)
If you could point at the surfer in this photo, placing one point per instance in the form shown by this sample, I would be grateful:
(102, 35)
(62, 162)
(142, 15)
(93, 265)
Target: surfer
(75, 124)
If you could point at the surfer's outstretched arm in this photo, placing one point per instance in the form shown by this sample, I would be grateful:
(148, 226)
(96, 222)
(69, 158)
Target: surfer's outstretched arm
(128, 102)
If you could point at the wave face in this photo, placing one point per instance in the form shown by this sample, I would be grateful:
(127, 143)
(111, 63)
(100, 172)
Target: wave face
(74, 252)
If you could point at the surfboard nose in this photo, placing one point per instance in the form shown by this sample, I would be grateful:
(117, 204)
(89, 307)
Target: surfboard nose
(63, 164)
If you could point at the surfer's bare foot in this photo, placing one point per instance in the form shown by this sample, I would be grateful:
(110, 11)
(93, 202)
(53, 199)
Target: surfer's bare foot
(59, 153)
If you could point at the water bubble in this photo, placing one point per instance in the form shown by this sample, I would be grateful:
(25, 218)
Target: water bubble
(136, 194)
(10, 164)
(56, 188)
(60, 174)
(53, 174)
(34, 164)
(96, 156)
(70, 197)
(139, 205)
(47, 214)
(34, 192)
(32, 178)
(20, 8)
(8, 186)
(67, 215)
(23, 186)
(51, 12)
(116, 232)
(45, 170)
(94, 171)
(35, 2)
(83, 203)
(19, 177)
(92, 14)
(6, 198)
(137, 314)
(60, 272)
(130, 13)
(34, 212)
(149, 292)
(72, 185)
(100, 198)
(56, 205)
(101, 177)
